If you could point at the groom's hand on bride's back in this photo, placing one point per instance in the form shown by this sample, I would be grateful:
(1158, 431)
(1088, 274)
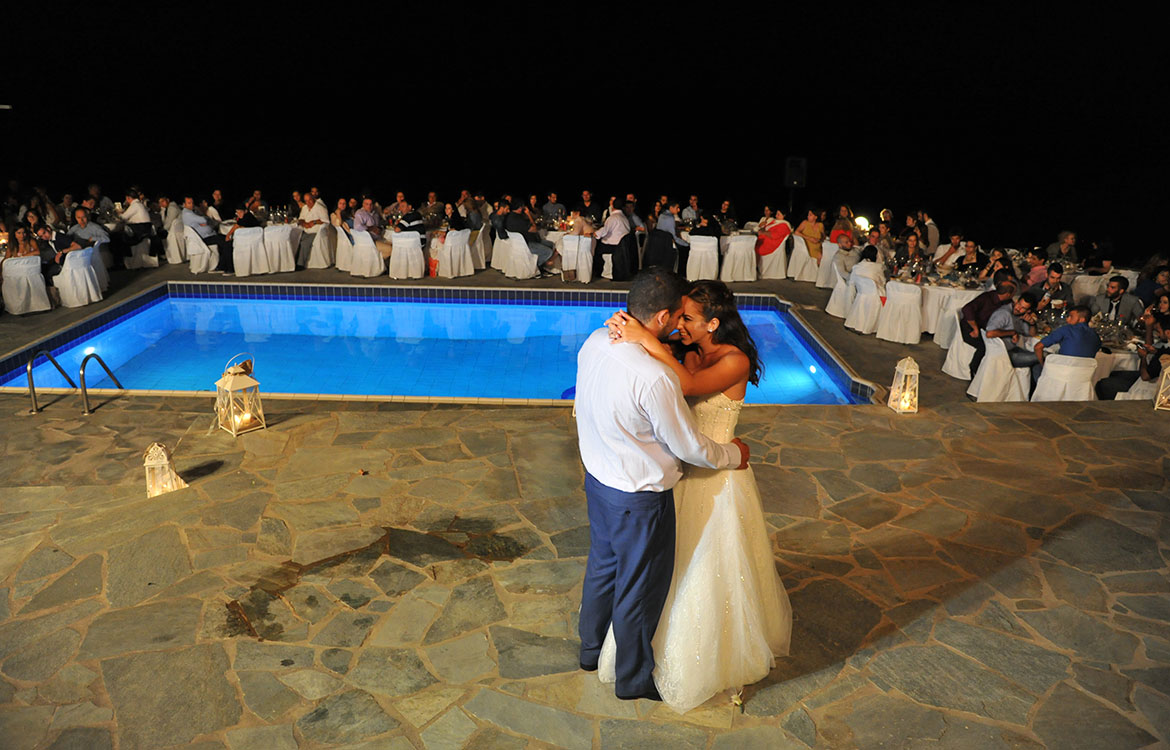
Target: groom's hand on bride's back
(744, 453)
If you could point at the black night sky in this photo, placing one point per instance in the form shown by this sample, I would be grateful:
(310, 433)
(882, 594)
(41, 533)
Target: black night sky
(1014, 123)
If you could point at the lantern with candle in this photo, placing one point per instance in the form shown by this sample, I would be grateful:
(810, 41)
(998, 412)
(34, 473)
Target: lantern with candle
(160, 471)
(237, 398)
(904, 390)
(1163, 399)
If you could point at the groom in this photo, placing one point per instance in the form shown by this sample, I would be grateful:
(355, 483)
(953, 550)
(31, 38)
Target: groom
(633, 429)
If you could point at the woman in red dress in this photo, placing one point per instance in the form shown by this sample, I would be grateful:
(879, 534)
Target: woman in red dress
(774, 234)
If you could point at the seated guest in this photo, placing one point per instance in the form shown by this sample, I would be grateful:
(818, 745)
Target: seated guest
(211, 238)
(312, 217)
(668, 222)
(54, 247)
(23, 244)
(773, 233)
(245, 219)
(410, 220)
(726, 217)
(552, 209)
(947, 256)
(473, 210)
(135, 218)
(1052, 288)
(998, 261)
(455, 222)
(258, 206)
(976, 314)
(1064, 249)
(973, 259)
(1075, 337)
(589, 208)
(887, 245)
(103, 207)
(929, 233)
(691, 213)
(1100, 260)
(65, 210)
(1157, 321)
(813, 232)
(367, 220)
(217, 210)
(517, 220)
(847, 255)
(1014, 321)
(843, 224)
(707, 227)
(1150, 362)
(87, 232)
(870, 269)
(1157, 284)
(630, 209)
(911, 252)
(1036, 269)
(1116, 304)
(341, 217)
(432, 211)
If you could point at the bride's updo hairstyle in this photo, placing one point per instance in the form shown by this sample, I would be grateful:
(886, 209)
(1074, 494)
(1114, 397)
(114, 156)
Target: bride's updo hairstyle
(717, 301)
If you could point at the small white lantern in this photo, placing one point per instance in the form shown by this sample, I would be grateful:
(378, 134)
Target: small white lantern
(904, 390)
(160, 471)
(1163, 399)
(237, 398)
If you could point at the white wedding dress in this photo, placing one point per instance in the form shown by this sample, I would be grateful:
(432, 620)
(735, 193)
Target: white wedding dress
(727, 615)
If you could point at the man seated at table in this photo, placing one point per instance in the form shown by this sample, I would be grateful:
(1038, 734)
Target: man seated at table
(589, 208)
(1075, 337)
(517, 220)
(552, 209)
(202, 227)
(410, 220)
(1150, 289)
(367, 220)
(312, 217)
(103, 207)
(975, 315)
(54, 247)
(868, 267)
(432, 211)
(86, 232)
(1052, 288)
(691, 212)
(948, 255)
(1016, 321)
(847, 255)
(1116, 303)
(245, 219)
(1064, 249)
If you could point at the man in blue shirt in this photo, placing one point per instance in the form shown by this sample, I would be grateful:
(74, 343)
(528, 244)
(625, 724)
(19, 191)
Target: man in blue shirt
(85, 231)
(202, 227)
(1075, 337)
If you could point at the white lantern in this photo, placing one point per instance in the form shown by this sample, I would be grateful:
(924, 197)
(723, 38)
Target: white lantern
(1163, 399)
(904, 390)
(237, 398)
(160, 471)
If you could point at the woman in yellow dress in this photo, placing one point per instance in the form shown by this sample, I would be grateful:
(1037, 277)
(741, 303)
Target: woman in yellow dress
(813, 232)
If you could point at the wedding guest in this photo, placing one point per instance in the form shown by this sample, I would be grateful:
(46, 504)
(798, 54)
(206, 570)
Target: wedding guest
(1116, 304)
(103, 207)
(65, 209)
(1052, 288)
(910, 253)
(774, 232)
(207, 233)
(553, 209)
(1075, 337)
(432, 211)
(868, 267)
(975, 315)
(341, 217)
(909, 228)
(87, 232)
(1014, 321)
(312, 217)
(245, 219)
(1150, 361)
(218, 210)
(367, 220)
(726, 217)
(1157, 321)
(517, 220)
(947, 256)
(589, 208)
(691, 212)
(410, 220)
(973, 259)
(455, 222)
(707, 227)
(843, 223)
(668, 222)
(767, 220)
(813, 232)
(54, 247)
(887, 245)
(1064, 249)
(1035, 269)
(847, 255)
(23, 244)
(1154, 286)
(998, 261)
(930, 233)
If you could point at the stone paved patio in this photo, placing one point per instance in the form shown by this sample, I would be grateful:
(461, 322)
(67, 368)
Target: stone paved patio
(391, 576)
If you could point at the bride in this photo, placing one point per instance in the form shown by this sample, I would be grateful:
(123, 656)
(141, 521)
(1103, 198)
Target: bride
(727, 615)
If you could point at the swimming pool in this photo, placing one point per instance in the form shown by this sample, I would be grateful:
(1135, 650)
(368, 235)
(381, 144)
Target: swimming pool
(461, 344)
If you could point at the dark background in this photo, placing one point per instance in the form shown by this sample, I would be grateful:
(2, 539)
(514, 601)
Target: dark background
(1012, 122)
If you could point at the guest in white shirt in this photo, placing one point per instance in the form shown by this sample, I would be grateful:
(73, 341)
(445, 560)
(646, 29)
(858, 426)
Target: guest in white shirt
(946, 256)
(313, 216)
(691, 212)
(616, 227)
(870, 269)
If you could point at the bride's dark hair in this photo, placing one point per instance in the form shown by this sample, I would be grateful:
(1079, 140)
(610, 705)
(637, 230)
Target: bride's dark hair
(717, 301)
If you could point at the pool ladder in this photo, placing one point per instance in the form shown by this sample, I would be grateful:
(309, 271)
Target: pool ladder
(32, 389)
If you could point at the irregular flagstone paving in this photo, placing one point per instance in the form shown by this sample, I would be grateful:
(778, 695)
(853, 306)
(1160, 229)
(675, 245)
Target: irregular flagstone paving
(392, 576)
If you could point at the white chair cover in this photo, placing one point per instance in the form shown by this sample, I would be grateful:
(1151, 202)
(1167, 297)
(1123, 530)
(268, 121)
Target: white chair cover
(176, 245)
(825, 275)
(1066, 378)
(996, 380)
(24, 285)
(1142, 390)
(842, 296)
(703, 261)
(866, 306)
(77, 282)
(901, 317)
(521, 263)
(367, 261)
(960, 353)
(801, 265)
(498, 257)
(344, 258)
(739, 264)
(406, 259)
(200, 255)
(280, 243)
(775, 264)
(455, 255)
(99, 264)
(577, 254)
(248, 253)
(140, 256)
(480, 248)
(324, 247)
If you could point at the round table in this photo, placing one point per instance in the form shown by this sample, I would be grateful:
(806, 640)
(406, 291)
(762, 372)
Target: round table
(940, 301)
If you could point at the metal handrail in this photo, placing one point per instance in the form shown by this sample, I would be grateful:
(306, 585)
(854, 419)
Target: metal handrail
(84, 393)
(32, 389)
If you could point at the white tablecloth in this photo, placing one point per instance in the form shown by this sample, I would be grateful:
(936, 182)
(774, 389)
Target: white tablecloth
(936, 300)
(1117, 360)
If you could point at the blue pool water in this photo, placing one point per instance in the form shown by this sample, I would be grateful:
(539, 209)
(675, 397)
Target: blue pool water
(394, 348)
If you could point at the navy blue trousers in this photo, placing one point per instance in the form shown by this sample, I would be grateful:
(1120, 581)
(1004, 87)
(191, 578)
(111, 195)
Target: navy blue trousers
(627, 578)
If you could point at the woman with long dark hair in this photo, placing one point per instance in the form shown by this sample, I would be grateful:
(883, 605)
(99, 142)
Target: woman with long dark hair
(727, 616)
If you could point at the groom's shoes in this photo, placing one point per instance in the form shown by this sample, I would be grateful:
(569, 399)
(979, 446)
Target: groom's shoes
(650, 695)
(588, 667)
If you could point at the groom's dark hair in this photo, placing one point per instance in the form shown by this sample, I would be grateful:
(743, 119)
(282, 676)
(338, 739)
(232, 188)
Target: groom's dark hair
(655, 289)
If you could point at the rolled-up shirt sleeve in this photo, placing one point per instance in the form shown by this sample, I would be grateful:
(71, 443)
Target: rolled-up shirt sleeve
(673, 425)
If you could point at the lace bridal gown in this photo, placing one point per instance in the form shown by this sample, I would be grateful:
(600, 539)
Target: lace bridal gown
(727, 615)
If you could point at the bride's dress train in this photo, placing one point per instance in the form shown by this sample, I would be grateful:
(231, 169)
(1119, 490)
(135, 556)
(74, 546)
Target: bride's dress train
(727, 615)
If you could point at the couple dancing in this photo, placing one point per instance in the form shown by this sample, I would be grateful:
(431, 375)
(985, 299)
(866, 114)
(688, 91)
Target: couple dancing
(681, 598)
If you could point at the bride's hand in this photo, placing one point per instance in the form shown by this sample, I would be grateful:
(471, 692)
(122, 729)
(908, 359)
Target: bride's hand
(624, 327)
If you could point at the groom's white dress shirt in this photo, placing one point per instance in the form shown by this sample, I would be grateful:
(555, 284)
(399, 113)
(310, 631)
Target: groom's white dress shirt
(633, 426)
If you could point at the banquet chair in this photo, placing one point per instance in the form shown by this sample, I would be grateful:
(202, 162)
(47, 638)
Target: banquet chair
(577, 254)
(660, 251)
(201, 256)
(825, 275)
(947, 329)
(703, 261)
(176, 246)
(140, 256)
(1141, 390)
(866, 306)
(280, 243)
(1066, 378)
(801, 266)
(24, 286)
(324, 248)
(996, 379)
(344, 252)
(960, 353)
(99, 264)
(842, 296)
(739, 264)
(499, 250)
(367, 261)
(520, 263)
(455, 255)
(406, 259)
(900, 320)
(774, 265)
(77, 282)
(248, 252)
(476, 244)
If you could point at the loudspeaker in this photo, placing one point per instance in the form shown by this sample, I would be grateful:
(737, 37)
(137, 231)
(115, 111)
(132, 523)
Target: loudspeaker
(795, 171)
